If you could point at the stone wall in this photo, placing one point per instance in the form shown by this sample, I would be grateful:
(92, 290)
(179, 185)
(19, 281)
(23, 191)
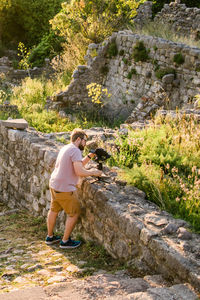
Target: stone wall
(9, 110)
(114, 214)
(184, 20)
(132, 83)
(144, 14)
(15, 75)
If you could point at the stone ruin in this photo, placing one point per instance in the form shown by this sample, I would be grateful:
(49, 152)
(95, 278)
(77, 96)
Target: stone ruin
(15, 76)
(137, 90)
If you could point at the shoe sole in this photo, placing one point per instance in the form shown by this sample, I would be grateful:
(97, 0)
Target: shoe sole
(69, 247)
(53, 242)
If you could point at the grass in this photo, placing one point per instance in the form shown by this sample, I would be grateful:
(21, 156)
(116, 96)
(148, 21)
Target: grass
(30, 98)
(164, 162)
(165, 31)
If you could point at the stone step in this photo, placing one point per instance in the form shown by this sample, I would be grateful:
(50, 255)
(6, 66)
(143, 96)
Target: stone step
(176, 292)
(117, 286)
(35, 293)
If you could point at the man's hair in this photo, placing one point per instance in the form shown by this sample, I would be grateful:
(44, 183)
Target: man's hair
(76, 133)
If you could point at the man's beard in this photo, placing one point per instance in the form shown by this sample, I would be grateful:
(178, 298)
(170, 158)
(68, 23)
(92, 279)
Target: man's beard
(81, 147)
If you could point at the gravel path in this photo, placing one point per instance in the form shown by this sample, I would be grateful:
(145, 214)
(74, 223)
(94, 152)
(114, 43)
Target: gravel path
(31, 270)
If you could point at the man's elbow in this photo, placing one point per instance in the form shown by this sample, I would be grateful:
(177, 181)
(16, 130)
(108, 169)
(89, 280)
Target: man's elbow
(78, 173)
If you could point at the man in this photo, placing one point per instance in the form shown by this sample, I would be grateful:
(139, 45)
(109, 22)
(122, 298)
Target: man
(69, 166)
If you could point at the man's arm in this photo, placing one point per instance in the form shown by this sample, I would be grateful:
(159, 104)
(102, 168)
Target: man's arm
(82, 172)
(87, 158)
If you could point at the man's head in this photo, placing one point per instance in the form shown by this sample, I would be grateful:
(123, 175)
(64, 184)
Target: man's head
(79, 138)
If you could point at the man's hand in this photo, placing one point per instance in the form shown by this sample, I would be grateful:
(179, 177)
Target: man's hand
(97, 173)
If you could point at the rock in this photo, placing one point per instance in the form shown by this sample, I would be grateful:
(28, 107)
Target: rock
(62, 114)
(170, 228)
(72, 268)
(16, 123)
(34, 268)
(58, 278)
(8, 212)
(169, 78)
(184, 234)
(156, 220)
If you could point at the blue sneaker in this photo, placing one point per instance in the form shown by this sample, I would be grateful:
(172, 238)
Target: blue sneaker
(70, 244)
(52, 240)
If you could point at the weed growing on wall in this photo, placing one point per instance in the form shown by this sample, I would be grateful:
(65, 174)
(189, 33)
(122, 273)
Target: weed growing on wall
(125, 60)
(179, 59)
(140, 53)
(104, 70)
(112, 50)
(131, 73)
(160, 73)
(164, 162)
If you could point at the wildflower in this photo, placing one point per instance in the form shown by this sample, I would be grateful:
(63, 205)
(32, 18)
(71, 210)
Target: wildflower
(167, 166)
(194, 169)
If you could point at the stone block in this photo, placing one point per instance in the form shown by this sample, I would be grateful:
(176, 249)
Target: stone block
(50, 158)
(16, 123)
(184, 291)
(146, 235)
(14, 181)
(12, 135)
(35, 205)
(169, 78)
(120, 247)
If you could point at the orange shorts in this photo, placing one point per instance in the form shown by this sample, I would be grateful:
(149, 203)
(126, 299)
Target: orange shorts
(67, 201)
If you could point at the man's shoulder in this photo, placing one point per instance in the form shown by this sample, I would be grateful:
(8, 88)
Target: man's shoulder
(70, 148)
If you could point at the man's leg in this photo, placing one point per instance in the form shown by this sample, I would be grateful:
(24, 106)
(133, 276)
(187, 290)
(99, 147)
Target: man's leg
(51, 221)
(69, 226)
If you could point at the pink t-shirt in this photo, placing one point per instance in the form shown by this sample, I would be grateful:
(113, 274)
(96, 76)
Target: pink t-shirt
(63, 178)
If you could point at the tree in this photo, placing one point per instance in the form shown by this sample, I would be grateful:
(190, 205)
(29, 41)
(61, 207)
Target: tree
(94, 19)
(26, 20)
(82, 22)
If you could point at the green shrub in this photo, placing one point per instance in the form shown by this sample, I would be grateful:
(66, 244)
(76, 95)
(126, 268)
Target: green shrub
(140, 53)
(26, 20)
(49, 47)
(179, 58)
(162, 72)
(15, 64)
(125, 60)
(164, 162)
(2, 49)
(129, 76)
(112, 50)
(155, 48)
(131, 73)
(197, 69)
(93, 53)
(121, 52)
(104, 70)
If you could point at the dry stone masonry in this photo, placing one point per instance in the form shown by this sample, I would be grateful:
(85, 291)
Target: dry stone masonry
(114, 214)
(14, 76)
(183, 20)
(157, 82)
